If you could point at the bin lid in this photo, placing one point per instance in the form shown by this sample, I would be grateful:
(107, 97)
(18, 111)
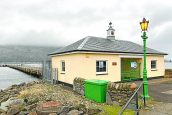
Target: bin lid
(96, 81)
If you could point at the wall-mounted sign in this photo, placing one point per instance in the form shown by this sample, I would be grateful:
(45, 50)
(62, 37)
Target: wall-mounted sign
(134, 65)
(114, 63)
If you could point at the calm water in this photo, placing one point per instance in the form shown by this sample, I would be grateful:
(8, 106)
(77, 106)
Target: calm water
(10, 76)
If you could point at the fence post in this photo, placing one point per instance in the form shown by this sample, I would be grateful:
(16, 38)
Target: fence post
(144, 100)
(137, 105)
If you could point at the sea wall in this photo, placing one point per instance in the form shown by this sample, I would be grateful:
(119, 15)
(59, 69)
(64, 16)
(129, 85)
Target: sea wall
(35, 71)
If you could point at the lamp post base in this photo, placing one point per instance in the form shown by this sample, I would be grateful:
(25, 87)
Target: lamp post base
(145, 90)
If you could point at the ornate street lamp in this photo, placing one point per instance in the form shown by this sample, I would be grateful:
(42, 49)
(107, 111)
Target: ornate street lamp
(144, 27)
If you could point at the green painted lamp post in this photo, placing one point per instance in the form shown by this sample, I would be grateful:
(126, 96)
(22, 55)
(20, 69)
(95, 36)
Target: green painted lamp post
(144, 26)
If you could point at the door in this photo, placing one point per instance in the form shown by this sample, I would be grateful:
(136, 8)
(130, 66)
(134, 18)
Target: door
(130, 69)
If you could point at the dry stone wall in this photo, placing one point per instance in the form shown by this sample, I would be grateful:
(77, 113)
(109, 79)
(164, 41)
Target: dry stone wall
(168, 73)
(117, 93)
(78, 85)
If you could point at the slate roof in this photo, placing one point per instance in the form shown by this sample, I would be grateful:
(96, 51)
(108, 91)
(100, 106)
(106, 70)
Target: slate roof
(97, 44)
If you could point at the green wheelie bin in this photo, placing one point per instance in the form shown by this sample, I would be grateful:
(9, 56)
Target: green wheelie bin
(96, 90)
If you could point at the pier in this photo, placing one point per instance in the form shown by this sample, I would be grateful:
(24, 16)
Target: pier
(35, 71)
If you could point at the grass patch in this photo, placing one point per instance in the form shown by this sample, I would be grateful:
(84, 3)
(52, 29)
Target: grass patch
(114, 110)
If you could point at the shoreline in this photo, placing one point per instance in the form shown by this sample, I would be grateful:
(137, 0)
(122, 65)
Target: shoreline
(29, 98)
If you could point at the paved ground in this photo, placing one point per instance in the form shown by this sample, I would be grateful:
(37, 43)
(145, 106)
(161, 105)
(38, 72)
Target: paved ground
(161, 91)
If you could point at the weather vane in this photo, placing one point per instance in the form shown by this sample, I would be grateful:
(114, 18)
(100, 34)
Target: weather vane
(110, 23)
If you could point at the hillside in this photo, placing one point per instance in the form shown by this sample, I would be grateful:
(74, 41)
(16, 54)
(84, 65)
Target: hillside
(24, 53)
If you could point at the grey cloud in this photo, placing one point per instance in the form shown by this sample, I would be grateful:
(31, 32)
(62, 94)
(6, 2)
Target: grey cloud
(34, 38)
(163, 41)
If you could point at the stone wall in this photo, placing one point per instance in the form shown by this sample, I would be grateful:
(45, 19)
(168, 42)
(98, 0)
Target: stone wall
(168, 73)
(119, 93)
(78, 85)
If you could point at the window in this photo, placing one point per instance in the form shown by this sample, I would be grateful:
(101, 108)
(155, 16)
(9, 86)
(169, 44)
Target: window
(153, 64)
(101, 66)
(63, 66)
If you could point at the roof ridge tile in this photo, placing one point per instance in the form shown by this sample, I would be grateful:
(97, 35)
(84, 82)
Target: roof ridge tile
(83, 43)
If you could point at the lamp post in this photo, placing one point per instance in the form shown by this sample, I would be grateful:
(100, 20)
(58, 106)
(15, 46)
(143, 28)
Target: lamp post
(144, 26)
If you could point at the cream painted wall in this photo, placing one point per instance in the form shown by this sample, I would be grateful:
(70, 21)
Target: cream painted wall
(160, 71)
(84, 65)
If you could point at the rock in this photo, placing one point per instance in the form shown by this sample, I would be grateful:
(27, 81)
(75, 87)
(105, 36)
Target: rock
(10, 102)
(13, 110)
(63, 114)
(133, 86)
(82, 92)
(5, 98)
(75, 112)
(49, 107)
(52, 114)
(108, 99)
(3, 114)
(23, 113)
(22, 84)
(30, 107)
(93, 111)
(2, 111)
(16, 101)
(65, 109)
(32, 100)
(82, 107)
(33, 113)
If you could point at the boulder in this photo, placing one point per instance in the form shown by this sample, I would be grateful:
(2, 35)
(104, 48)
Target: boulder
(75, 112)
(52, 114)
(2, 111)
(5, 98)
(65, 109)
(10, 102)
(33, 113)
(13, 110)
(23, 113)
(108, 99)
(133, 86)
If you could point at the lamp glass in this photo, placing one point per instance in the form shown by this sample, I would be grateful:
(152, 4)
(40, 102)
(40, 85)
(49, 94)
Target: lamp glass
(144, 24)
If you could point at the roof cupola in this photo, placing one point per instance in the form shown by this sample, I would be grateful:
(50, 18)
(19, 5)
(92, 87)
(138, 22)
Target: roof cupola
(111, 32)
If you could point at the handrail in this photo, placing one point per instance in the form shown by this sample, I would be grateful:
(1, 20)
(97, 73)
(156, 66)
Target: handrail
(128, 102)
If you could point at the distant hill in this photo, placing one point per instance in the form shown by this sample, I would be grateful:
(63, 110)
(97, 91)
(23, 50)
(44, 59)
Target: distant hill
(24, 53)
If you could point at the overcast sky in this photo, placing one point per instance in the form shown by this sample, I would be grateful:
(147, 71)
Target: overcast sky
(61, 22)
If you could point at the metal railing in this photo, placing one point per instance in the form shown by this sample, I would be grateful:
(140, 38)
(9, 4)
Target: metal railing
(136, 97)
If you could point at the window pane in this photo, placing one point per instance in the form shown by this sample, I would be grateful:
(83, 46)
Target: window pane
(97, 69)
(101, 69)
(104, 69)
(63, 66)
(104, 63)
(97, 63)
(101, 64)
(153, 64)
